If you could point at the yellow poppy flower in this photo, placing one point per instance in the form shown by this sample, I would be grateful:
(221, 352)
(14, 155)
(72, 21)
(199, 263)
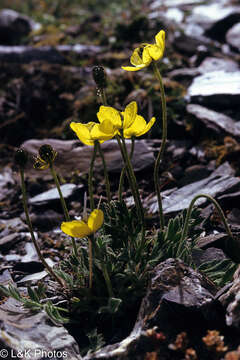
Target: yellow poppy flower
(112, 121)
(84, 132)
(139, 127)
(143, 55)
(81, 228)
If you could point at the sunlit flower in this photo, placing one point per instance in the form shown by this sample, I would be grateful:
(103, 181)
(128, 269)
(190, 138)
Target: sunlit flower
(112, 120)
(82, 228)
(145, 53)
(84, 132)
(139, 127)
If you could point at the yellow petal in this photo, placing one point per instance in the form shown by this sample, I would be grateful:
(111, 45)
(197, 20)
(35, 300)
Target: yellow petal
(75, 228)
(148, 127)
(155, 51)
(146, 56)
(160, 39)
(110, 114)
(138, 126)
(132, 68)
(95, 220)
(136, 58)
(103, 131)
(83, 132)
(40, 164)
(129, 114)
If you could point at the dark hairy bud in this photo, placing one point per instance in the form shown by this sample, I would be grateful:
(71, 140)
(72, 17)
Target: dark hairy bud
(21, 158)
(99, 77)
(47, 153)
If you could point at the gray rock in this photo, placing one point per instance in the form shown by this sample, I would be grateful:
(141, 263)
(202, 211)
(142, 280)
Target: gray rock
(52, 195)
(46, 220)
(231, 301)
(219, 182)
(217, 64)
(14, 26)
(213, 240)
(210, 14)
(14, 225)
(33, 279)
(173, 3)
(34, 335)
(219, 88)
(219, 29)
(233, 36)
(171, 14)
(7, 242)
(184, 74)
(53, 55)
(6, 182)
(176, 299)
(210, 254)
(72, 157)
(215, 121)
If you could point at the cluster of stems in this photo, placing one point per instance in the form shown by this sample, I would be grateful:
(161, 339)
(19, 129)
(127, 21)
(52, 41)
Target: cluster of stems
(35, 243)
(128, 170)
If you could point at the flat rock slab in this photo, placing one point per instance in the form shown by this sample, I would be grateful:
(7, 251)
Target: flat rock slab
(210, 64)
(218, 88)
(25, 54)
(53, 195)
(218, 122)
(33, 335)
(233, 36)
(72, 157)
(172, 3)
(219, 182)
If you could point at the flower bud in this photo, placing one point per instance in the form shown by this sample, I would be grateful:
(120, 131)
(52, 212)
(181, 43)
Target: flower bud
(21, 158)
(47, 153)
(99, 77)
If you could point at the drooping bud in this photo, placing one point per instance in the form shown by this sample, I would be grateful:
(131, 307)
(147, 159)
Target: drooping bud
(21, 158)
(47, 153)
(99, 77)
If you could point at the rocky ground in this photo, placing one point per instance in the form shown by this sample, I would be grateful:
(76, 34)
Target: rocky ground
(46, 82)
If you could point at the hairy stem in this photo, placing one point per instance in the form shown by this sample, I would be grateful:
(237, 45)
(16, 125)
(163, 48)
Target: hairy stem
(29, 223)
(64, 206)
(188, 216)
(90, 261)
(123, 172)
(108, 191)
(163, 143)
(90, 177)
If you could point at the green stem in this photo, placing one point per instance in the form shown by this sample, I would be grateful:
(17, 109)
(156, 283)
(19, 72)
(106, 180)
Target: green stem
(29, 223)
(108, 191)
(90, 177)
(103, 96)
(133, 179)
(64, 206)
(163, 143)
(107, 279)
(188, 216)
(134, 186)
(130, 178)
(90, 261)
(123, 172)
